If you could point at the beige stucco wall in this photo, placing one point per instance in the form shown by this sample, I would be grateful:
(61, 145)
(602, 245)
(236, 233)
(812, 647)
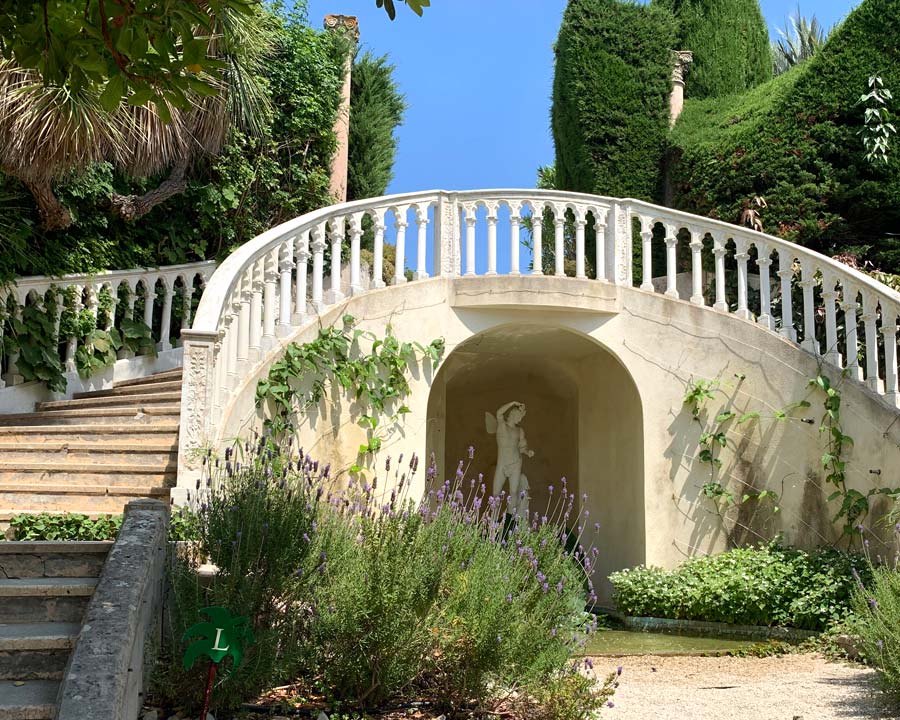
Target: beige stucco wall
(625, 368)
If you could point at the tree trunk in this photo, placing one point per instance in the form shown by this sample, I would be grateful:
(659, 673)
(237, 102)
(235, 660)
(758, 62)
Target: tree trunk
(132, 207)
(54, 215)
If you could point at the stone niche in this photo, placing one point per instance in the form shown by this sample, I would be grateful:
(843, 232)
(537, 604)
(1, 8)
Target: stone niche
(583, 421)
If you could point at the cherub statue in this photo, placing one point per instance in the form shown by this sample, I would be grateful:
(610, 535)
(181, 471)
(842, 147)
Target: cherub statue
(511, 446)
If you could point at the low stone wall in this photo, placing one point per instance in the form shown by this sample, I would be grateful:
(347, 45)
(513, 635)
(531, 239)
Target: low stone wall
(712, 629)
(107, 672)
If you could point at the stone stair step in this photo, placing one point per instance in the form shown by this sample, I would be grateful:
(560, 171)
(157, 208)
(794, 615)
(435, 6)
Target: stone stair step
(48, 559)
(150, 388)
(34, 700)
(127, 401)
(38, 636)
(40, 600)
(155, 455)
(159, 431)
(89, 500)
(167, 376)
(96, 416)
(60, 473)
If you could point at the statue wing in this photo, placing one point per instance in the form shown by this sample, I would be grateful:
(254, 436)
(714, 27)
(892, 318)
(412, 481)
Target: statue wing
(490, 422)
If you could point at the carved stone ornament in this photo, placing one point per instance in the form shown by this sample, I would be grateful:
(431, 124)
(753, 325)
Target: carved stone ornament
(347, 23)
(198, 366)
(683, 58)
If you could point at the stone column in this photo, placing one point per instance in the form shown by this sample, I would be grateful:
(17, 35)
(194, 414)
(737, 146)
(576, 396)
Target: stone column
(683, 58)
(348, 25)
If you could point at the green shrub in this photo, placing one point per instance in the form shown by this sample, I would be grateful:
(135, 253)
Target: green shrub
(730, 43)
(611, 92)
(64, 526)
(876, 623)
(796, 142)
(768, 585)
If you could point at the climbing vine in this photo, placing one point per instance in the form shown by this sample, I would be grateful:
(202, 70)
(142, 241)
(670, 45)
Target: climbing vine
(372, 370)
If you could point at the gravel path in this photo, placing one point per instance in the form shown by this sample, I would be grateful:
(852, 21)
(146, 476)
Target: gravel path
(791, 687)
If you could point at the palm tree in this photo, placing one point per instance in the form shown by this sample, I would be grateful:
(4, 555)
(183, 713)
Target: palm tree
(48, 132)
(800, 39)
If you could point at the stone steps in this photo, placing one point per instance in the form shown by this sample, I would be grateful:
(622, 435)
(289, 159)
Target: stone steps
(145, 388)
(44, 591)
(85, 499)
(138, 402)
(167, 376)
(159, 431)
(55, 450)
(134, 414)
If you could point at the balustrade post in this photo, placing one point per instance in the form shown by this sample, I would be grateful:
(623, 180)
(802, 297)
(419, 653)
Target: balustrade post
(869, 318)
(889, 331)
(786, 274)
(832, 353)
(764, 261)
(697, 266)
(719, 250)
(537, 234)
(355, 225)
(72, 343)
(742, 255)
(646, 254)
(559, 239)
(580, 225)
(400, 262)
(113, 303)
(256, 302)
(198, 391)
(4, 309)
(335, 294)
(318, 273)
(807, 283)
(446, 235)
(471, 218)
(301, 252)
(187, 297)
(492, 209)
(270, 290)
(850, 306)
(286, 267)
(378, 251)
(93, 305)
(13, 377)
(227, 358)
(622, 245)
(165, 323)
(600, 243)
(234, 338)
(243, 348)
(515, 237)
(421, 239)
(671, 261)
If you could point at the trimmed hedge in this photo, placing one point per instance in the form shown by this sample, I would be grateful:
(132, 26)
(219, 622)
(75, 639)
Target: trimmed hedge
(611, 97)
(795, 141)
(730, 42)
(769, 585)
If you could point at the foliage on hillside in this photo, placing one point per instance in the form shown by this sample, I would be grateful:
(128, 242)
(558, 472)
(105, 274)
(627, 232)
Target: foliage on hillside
(730, 43)
(255, 183)
(376, 110)
(796, 142)
(611, 97)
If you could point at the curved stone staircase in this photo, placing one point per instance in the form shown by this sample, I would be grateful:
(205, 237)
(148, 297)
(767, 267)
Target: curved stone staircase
(93, 453)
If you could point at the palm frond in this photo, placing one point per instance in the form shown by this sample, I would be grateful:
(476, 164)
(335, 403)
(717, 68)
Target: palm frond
(800, 38)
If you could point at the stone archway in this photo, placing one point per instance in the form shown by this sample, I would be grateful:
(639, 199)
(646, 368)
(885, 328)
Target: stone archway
(584, 420)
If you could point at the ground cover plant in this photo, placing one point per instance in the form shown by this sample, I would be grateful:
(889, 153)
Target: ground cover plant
(363, 598)
(765, 585)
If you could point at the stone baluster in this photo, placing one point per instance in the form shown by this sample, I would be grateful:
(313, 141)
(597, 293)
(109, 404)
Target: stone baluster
(149, 301)
(318, 271)
(537, 232)
(301, 253)
(742, 255)
(270, 298)
(165, 324)
(286, 267)
(471, 218)
(4, 309)
(515, 236)
(764, 261)
(786, 274)
(219, 376)
(355, 226)
(719, 250)
(234, 337)
(224, 376)
(113, 303)
(421, 241)
(850, 306)
(559, 239)
(400, 225)
(889, 331)
(12, 373)
(696, 245)
(256, 274)
(600, 239)
(378, 250)
(580, 225)
(807, 283)
(446, 237)
(671, 261)
(869, 318)
(187, 297)
(243, 344)
(335, 293)
(829, 297)
(72, 341)
(492, 209)
(646, 254)
(92, 306)
(57, 315)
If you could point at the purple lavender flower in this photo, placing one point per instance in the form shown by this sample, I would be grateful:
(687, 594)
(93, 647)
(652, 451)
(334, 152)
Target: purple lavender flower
(589, 664)
(610, 704)
(619, 670)
(873, 603)
(880, 645)
(471, 452)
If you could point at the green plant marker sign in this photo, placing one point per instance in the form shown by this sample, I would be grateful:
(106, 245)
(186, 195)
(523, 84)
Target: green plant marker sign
(219, 637)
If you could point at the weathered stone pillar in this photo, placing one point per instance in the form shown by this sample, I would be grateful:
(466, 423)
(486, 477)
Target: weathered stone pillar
(338, 187)
(683, 58)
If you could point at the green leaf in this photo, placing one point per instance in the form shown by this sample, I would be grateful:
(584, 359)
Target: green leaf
(112, 94)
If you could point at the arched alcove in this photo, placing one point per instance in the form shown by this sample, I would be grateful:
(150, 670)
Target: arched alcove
(583, 420)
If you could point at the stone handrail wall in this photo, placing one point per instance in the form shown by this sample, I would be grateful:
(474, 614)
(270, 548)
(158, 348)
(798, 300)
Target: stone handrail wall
(123, 286)
(277, 282)
(107, 672)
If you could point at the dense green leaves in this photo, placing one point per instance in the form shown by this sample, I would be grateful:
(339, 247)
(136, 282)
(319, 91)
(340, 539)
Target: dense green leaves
(65, 526)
